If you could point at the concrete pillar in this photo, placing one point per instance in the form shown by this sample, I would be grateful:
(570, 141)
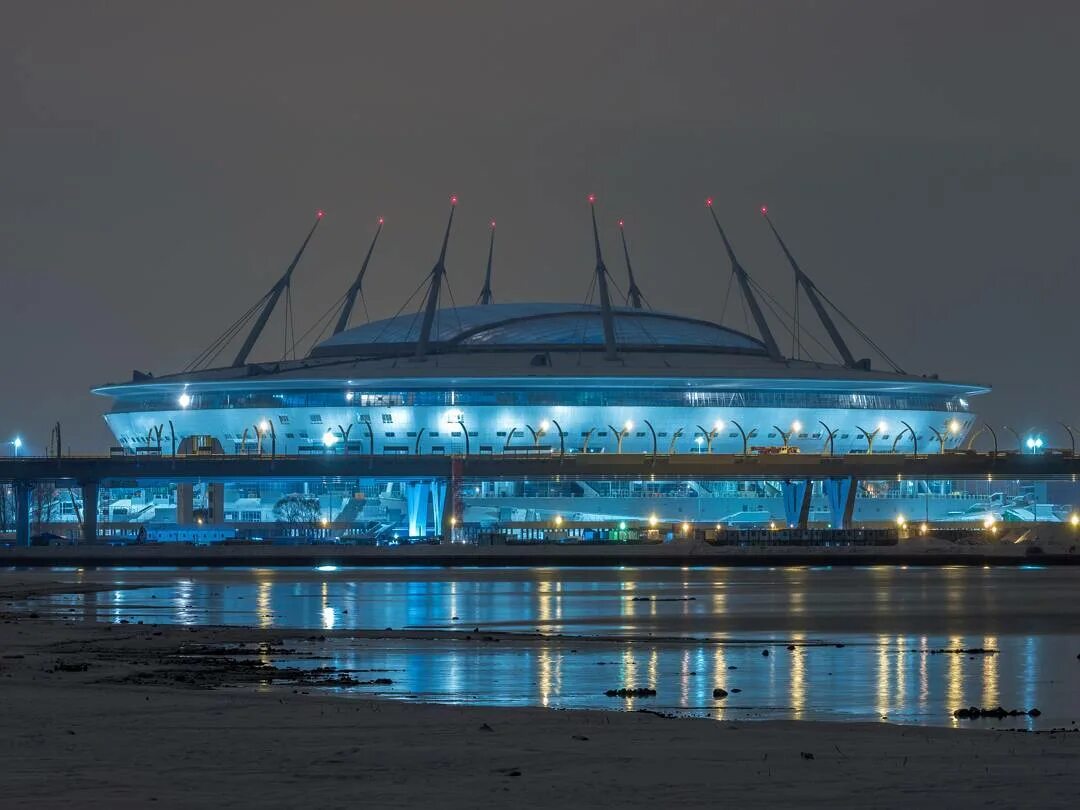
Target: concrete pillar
(215, 502)
(840, 495)
(22, 490)
(185, 505)
(90, 512)
(416, 501)
(438, 509)
(796, 506)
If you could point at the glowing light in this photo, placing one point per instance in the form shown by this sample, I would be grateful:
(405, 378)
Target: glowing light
(900, 520)
(1074, 520)
(699, 440)
(558, 520)
(923, 529)
(954, 426)
(592, 199)
(320, 213)
(1034, 443)
(628, 426)
(453, 520)
(453, 199)
(882, 426)
(17, 443)
(264, 426)
(349, 396)
(653, 520)
(988, 523)
(772, 524)
(184, 399)
(685, 528)
(708, 202)
(544, 426)
(622, 525)
(719, 425)
(326, 568)
(622, 224)
(764, 210)
(493, 224)
(324, 522)
(381, 220)
(329, 439)
(796, 426)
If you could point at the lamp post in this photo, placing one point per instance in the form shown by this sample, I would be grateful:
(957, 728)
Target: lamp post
(745, 439)
(16, 444)
(344, 437)
(710, 435)
(871, 435)
(588, 435)
(562, 439)
(172, 436)
(538, 433)
(1019, 441)
(1034, 444)
(674, 438)
(1072, 438)
(914, 438)
(652, 430)
(785, 436)
(464, 431)
(370, 437)
(830, 436)
(621, 434)
(416, 446)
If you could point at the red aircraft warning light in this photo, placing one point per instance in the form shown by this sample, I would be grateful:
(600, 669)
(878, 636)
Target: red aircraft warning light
(708, 202)
(320, 213)
(453, 199)
(592, 199)
(764, 210)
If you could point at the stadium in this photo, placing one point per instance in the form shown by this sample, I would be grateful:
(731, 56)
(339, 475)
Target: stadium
(544, 378)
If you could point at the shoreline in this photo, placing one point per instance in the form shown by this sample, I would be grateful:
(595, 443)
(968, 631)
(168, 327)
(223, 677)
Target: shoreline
(443, 556)
(92, 715)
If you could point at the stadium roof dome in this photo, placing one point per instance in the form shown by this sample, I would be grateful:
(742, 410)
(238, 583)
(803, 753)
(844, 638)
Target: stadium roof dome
(522, 327)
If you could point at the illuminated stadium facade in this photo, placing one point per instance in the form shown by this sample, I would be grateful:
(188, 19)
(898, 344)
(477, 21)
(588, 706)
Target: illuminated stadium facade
(545, 379)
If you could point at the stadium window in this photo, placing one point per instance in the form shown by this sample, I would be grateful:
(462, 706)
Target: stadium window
(434, 434)
(290, 435)
(315, 419)
(411, 434)
(503, 433)
(388, 419)
(283, 419)
(390, 434)
(365, 418)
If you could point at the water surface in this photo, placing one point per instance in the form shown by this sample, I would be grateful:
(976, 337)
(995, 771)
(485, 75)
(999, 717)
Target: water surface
(862, 637)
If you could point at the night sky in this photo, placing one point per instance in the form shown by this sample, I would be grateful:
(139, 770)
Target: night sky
(162, 162)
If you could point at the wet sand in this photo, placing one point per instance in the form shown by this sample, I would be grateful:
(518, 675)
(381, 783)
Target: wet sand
(166, 715)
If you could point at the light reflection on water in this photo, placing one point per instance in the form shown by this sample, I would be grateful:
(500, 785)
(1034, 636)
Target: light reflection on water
(859, 635)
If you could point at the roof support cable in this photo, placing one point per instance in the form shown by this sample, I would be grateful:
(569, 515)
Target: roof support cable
(780, 314)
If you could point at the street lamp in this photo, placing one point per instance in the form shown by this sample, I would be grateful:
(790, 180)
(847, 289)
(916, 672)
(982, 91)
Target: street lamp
(710, 435)
(562, 439)
(1034, 443)
(17, 445)
(871, 435)
(621, 434)
(745, 438)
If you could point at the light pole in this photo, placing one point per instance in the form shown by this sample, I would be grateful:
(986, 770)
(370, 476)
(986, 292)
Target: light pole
(674, 438)
(562, 439)
(538, 433)
(588, 435)
(16, 443)
(1019, 441)
(710, 435)
(870, 436)
(914, 438)
(345, 437)
(652, 430)
(785, 436)
(745, 439)
(1034, 444)
(830, 436)
(621, 434)
(464, 431)
(1072, 438)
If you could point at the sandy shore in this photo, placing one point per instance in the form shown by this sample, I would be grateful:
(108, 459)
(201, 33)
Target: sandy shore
(128, 715)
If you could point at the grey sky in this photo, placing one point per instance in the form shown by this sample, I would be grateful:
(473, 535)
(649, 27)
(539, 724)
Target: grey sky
(159, 164)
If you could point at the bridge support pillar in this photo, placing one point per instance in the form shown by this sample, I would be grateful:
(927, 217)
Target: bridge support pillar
(796, 496)
(22, 490)
(840, 494)
(438, 508)
(215, 502)
(416, 501)
(90, 491)
(185, 505)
